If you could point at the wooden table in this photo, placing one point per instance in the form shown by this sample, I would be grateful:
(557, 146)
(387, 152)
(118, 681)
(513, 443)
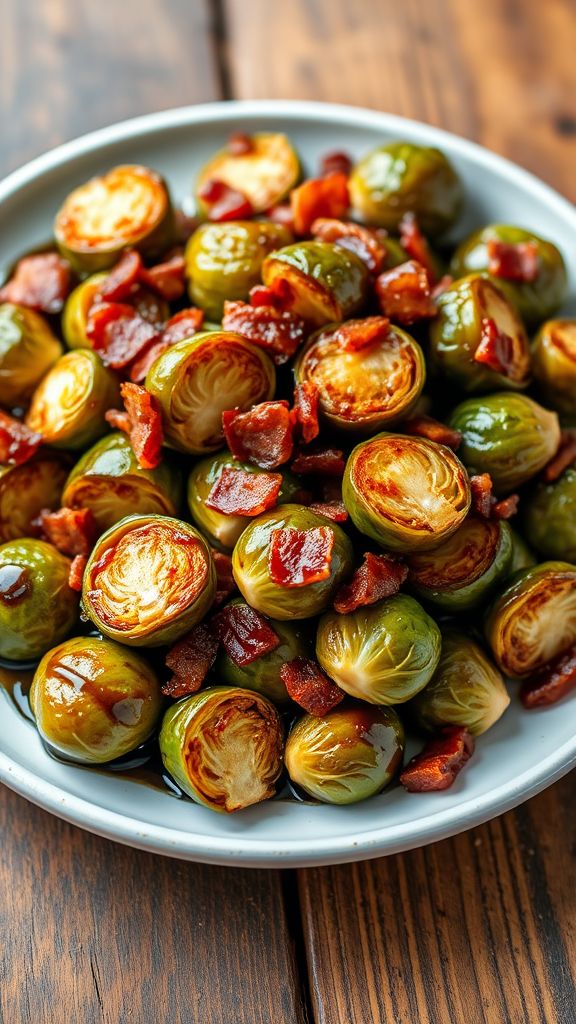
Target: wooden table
(479, 929)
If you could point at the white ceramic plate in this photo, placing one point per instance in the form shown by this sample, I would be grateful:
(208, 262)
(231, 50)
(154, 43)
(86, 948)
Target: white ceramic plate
(521, 755)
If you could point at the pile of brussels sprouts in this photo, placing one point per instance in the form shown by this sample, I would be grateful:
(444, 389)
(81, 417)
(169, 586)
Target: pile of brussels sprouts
(485, 600)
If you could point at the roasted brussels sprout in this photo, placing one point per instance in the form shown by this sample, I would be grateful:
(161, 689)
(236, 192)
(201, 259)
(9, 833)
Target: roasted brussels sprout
(109, 481)
(522, 556)
(535, 300)
(346, 756)
(78, 304)
(407, 493)
(549, 517)
(28, 348)
(401, 178)
(384, 653)
(94, 700)
(264, 173)
(534, 620)
(554, 364)
(509, 436)
(68, 406)
(197, 379)
(328, 283)
(223, 261)
(148, 581)
(252, 573)
(466, 689)
(37, 607)
(223, 746)
(29, 489)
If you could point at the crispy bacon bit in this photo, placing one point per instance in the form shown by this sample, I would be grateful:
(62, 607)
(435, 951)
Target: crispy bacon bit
(279, 294)
(329, 461)
(17, 442)
(224, 202)
(514, 261)
(119, 283)
(319, 197)
(563, 458)
(358, 334)
(506, 508)
(305, 411)
(182, 325)
(299, 557)
(481, 488)
(378, 577)
(496, 348)
(427, 426)
(244, 634)
(190, 660)
(72, 530)
(238, 492)
(438, 764)
(262, 436)
(142, 422)
(552, 682)
(278, 333)
(404, 293)
(40, 282)
(119, 333)
(307, 685)
(416, 245)
(76, 574)
(281, 214)
(166, 279)
(365, 242)
(443, 284)
(225, 582)
(335, 163)
(240, 144)
(334, 510)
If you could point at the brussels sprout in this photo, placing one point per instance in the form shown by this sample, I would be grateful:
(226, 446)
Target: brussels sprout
(534, 620)
(29, 489)
(223, 746)
(93, 700)
(129, 207)
(350, 754)
(264, 174)
(28, 348)
(457, 332)
(407, 493)
(383, 653)
(509, 436)
(197, 379)
(466, 690)
(465, 569)
(522, 556)
(327, 283)
(252, 573)
(535, 300)
(78, 304)
(554, 364)
(549, 517)
(223, 261)
(37, 607)
(68, 406)
(109, 481)
(401, 178)
(367, 388)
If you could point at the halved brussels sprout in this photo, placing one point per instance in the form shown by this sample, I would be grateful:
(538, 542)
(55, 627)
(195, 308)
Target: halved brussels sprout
(197, 379)
(327, 283)
(346, 756)
(407, 493)
(509, 436)
(554, 364)
(94, 700)
(264, 174)
(457, 332)
(68, 406)
(109, 481)
(252, 572)
(37, 607)
(383, 653)
(78, 304)
(367, 388)
(549, 517)
(29, 489)
(129, 207)
(535, 300)
(28, 348)
(148, 581)
(463, 571)
(522, 556)
(466, 690)
(223, 746)
(401, 178)
(534, 620)
(223, 261)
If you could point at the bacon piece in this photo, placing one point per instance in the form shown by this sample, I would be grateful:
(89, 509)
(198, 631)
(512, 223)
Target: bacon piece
(119, 283)
(72, 530)
(404, 293)
(142, 422)
(76, 574)
(167, 278)
(182, 325)
(514, 261)
(438, 764)
(481, 488)
(416, 245)
(364, 242)
(329, 461)
(262, 436)
(427, 426)
(225, 582)
(17, 442)
(278, 294)
(305, 410)
(358, 334)
(496, 348)
(240, 144)
(41, 282)
(280, 333)
(139, 368)
(563, 458)
(119, 333)
(443, 284)
(299, 557)
(552, 682)
(282, 214)
(244, 634)
(224, 202)
(319, 197)
(506, 508)
(190, 660)
(307, 685)
(238, 492)
(334, 510)
(378, 577)
(336, 162)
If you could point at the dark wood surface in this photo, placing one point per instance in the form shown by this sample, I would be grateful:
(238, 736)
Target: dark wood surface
(479, 929)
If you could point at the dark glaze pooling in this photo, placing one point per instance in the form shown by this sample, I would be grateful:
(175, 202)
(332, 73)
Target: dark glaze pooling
(15, 583)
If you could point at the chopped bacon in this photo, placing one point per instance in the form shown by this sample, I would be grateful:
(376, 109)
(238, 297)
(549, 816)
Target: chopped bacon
(416, 245)
(358, 334)
(118, 420)
(76, 573)
(119, 283)
(552, 682)
(278, 294)
(17, 442)
(297, 558)
(364, 242)
(438, 764)
(183, 324)
(404, 293)
(563, 458)
(119, 333)
(41, 282)
(305, 410)
(433, 430)
(282, 214)
(481, 488)
(237, 492)
(307, 685)
(240, 144)
(72, 530)
(142, 422)
(506, 507)
(319, 197)
(262, 436)
(190, 659)
(378, 577)
(514, 261)
(167, 278)
(336, 162)
(224, 202)
(225, 582)
(280, 333)
(443, 284)
(496, 348)
(139, 368)
(329, 461)
(334, 510)
(244, 634)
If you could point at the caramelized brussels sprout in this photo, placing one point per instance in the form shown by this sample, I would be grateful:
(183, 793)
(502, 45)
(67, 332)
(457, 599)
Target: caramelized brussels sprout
(197, 379)
(346, 756)
(223, 746)
(109, 481)
(535, 300)
(265, 173)
(554, 364)
(384, 653)
(68, 406)
(534, 620)
(94, 700)
(129, 207)
(509, 436)
(29, 489)
(28, 348)
(407, 493)
(401, 178)
(148, 581)
(223, 261)
(328, 283)
(466, 690)
(37, 607)
(250, 563)
(549, 517)
(75, 314)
